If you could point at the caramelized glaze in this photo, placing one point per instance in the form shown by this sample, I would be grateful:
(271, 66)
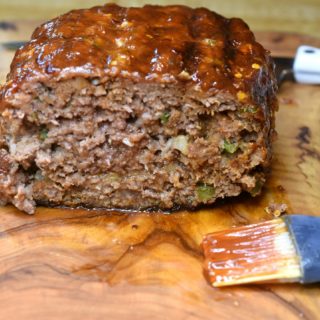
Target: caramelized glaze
(167, 44)
(254, 253)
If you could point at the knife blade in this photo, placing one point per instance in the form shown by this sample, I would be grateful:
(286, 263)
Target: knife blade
(303, 68)
(284, 69)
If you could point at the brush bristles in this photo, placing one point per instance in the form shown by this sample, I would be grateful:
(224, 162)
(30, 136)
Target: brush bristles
(262, 252)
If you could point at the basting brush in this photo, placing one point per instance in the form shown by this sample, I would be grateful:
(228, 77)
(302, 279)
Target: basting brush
(285, 249)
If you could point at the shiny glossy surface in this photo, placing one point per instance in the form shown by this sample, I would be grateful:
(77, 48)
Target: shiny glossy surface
(166, 44)
(252, 253)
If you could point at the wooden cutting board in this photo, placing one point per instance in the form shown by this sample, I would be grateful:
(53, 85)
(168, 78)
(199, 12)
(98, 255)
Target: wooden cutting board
(77, 264)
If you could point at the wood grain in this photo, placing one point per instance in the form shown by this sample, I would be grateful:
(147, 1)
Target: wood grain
(77, 264)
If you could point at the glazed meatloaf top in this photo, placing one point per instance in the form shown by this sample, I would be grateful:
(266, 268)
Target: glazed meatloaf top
(170, 44)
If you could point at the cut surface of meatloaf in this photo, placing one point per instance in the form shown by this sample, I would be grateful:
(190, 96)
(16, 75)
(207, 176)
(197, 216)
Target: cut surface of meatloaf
(136, 108)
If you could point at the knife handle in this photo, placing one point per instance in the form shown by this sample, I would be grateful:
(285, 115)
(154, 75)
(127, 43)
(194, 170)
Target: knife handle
(306, 66)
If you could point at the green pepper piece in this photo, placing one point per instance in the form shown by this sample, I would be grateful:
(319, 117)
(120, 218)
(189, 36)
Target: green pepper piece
(164, 118)
(205, 192)
(43, 134)
(230, 147)
(257, 188)
(249, 108)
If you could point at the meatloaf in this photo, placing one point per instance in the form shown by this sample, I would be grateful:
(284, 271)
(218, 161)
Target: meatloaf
(136, 108)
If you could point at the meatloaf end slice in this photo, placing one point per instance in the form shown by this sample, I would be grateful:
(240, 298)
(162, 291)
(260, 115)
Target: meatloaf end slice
(136, 108)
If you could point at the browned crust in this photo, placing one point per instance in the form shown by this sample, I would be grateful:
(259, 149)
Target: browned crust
(155, 43)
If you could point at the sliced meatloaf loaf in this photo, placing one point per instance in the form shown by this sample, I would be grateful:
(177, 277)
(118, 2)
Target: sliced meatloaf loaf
(153, 107)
